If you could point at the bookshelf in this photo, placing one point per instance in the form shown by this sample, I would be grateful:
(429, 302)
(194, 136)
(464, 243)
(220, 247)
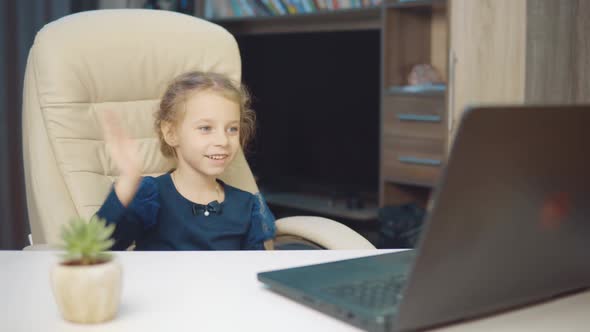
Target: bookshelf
(315, 17)
(413, 3)
(340, 20)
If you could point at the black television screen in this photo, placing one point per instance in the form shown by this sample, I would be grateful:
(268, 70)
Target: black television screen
(316, 96)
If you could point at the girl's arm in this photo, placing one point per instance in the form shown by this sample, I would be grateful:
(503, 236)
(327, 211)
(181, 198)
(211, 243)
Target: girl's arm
(132, 220)
(262, 225)
(124, 153)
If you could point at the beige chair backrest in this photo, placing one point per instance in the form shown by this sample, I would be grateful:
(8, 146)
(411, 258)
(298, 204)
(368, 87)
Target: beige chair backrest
(118, 60)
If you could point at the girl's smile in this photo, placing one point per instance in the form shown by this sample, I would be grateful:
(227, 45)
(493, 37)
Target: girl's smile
(218, 159)
(217, 156)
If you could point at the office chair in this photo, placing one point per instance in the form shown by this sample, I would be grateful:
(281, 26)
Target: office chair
(122, 60)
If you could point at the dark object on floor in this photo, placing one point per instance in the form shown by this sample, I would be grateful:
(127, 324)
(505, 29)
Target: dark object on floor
(400, 226)
(354, 202)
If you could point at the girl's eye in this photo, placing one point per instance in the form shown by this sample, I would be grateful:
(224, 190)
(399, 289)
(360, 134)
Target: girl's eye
(204, 128)
(234, 130)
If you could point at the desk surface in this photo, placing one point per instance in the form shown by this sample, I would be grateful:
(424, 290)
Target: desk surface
(218, 291)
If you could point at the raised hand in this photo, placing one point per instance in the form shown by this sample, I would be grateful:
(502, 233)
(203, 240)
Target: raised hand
(124, 152)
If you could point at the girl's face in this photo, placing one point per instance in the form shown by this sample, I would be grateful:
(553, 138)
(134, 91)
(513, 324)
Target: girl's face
(207, 138)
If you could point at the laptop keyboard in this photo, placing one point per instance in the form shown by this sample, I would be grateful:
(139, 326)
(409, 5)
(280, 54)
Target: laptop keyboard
(374, 294)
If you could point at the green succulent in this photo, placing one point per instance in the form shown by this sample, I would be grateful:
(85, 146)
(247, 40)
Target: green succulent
(85, 242)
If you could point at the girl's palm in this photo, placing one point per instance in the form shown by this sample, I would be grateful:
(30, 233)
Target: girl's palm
(122, 148)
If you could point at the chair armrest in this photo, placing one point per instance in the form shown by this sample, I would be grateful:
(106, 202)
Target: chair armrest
(325, 232)
(41, 246)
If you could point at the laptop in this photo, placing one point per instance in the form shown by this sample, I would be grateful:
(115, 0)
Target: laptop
(508, 225)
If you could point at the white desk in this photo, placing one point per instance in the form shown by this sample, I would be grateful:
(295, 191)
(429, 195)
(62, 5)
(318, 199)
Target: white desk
(218, 291)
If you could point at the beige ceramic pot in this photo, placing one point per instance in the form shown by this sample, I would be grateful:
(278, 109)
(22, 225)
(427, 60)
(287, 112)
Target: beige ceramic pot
(87, 293)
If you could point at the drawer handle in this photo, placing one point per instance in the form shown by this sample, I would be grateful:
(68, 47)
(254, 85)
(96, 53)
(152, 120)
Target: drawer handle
(420, 161)
(420, 118)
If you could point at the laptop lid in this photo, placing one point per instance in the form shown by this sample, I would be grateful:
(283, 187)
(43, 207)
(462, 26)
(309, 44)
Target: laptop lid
(509, 223)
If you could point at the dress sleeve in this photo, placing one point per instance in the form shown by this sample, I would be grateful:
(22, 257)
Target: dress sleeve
(133, 220)
(262, 225)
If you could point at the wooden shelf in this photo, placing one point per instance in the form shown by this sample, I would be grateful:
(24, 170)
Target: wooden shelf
(413, 3)
(408, 90)
(404, 181)
(337, 20)
(414, 37)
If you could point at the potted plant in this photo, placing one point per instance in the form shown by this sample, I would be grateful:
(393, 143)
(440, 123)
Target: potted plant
(87, 282)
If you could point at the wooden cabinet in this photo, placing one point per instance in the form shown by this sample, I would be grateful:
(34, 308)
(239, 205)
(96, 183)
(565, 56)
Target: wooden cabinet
(487, 44)
(412, 140)
(411, 160)
(413, 118)
(518, 52)
(495, 52)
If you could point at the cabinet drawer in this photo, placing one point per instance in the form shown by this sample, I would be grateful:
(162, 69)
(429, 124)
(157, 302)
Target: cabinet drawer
(412, 160)
(417, 117)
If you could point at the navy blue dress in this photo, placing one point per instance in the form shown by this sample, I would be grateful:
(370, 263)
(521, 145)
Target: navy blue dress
(160, 218)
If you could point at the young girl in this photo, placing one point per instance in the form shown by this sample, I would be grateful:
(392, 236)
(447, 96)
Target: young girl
(202, 121)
